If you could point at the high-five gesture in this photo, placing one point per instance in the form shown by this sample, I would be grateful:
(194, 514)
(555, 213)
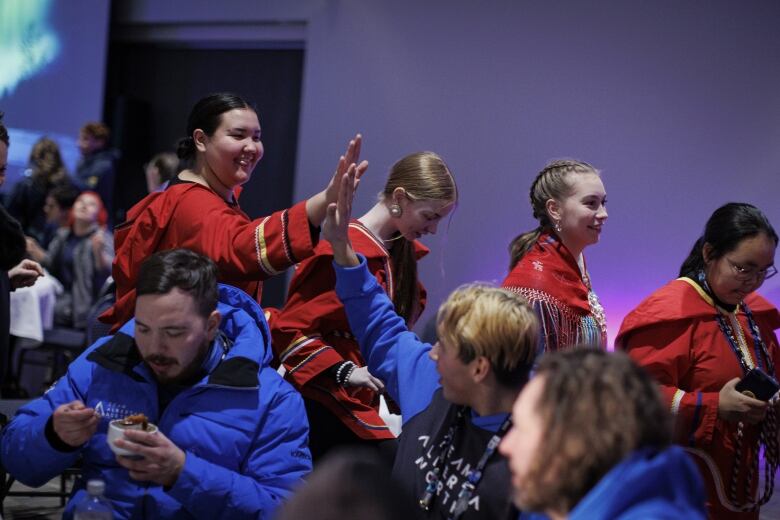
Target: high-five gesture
(317, 205)
(335, 228)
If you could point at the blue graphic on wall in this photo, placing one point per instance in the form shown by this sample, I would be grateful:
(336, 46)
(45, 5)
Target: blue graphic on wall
(27, 42)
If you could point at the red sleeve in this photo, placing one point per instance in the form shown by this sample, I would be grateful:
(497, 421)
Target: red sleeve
(243, 249)
(193, 217)
(312, 306)
(665, 351)
(312, 310)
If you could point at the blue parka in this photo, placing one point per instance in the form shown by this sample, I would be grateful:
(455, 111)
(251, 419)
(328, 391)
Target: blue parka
(242, 427)
(648, 484)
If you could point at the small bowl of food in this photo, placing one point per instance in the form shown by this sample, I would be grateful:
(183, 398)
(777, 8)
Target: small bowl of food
(117, 428)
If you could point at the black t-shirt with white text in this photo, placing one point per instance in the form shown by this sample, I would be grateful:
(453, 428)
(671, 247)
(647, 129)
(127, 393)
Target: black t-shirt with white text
(419, 450)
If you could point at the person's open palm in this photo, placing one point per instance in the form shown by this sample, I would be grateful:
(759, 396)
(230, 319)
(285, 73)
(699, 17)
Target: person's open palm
(335, 228)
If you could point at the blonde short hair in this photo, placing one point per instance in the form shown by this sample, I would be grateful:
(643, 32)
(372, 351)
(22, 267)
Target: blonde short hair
(481, 320)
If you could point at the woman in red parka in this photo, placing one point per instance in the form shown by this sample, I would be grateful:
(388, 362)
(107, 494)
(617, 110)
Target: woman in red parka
(199, 209)
(698, 336)
(311, 335)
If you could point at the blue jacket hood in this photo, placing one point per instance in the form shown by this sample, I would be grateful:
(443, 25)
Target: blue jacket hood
(238, 310)
(648, 484)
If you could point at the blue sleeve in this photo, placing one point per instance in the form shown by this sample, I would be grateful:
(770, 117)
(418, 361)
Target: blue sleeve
(274, 468)
(393, 354)
(26, 452)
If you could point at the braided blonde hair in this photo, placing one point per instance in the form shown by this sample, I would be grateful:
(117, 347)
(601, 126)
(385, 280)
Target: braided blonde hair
(553, 182)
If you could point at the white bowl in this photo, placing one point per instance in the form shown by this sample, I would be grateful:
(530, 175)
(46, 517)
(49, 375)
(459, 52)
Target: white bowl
(116, 431)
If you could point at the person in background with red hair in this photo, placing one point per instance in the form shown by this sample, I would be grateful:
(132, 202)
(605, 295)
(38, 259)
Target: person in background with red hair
(80, 257)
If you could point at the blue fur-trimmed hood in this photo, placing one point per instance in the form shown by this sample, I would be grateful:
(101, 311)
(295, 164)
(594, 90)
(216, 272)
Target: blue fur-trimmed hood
(243, 323)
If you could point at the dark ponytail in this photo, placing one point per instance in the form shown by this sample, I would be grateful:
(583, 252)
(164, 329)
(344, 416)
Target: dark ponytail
(695, 261)
(729, 225)
(185, 149)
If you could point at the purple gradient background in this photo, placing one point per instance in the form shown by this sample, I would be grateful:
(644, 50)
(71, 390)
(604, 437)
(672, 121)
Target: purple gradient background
(677, 102)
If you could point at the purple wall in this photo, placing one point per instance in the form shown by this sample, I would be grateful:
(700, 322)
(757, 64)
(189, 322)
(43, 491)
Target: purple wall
(678, 104)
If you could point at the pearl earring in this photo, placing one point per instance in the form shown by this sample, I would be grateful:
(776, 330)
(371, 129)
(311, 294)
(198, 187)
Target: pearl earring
(395, 210)
(558, 226)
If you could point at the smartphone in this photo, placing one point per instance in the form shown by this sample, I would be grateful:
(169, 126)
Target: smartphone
(758, 385)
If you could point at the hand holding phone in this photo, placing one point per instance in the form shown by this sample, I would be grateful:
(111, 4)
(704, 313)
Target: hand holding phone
(758, 385)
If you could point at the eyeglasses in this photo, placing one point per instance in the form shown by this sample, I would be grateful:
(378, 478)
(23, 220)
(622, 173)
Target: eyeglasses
(746, 274)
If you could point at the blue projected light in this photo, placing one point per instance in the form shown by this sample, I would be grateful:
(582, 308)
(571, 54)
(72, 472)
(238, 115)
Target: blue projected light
(27, 43)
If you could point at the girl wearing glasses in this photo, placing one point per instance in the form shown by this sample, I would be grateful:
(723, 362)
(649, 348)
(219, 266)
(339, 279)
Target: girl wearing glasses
(698, 336)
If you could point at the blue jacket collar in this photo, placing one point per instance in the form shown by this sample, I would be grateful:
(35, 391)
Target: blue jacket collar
(649, 483)
(243, 324)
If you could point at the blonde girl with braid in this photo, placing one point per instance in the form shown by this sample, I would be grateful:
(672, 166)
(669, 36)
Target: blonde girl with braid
(547, 264)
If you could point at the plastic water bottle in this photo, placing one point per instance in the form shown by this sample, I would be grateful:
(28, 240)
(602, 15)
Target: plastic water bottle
(94, 506)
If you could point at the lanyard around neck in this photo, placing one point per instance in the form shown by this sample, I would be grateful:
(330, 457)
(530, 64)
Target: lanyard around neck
(474, 476)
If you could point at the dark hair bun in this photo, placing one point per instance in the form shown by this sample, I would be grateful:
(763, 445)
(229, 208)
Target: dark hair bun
(185, 149)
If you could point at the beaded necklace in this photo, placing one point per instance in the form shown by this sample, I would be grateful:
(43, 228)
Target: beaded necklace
(596, 309)
(768, 428)
(474, 476)
(737, 341)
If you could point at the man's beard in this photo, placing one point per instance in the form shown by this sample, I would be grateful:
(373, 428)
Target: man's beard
(187, 374)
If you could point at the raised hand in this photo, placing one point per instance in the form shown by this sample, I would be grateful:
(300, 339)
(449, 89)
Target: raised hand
(74, 423)
(335, 228)
(317, 205)
(162, 460)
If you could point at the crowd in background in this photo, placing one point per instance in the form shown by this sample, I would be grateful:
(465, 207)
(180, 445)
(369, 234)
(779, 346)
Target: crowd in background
(66, 218)
(514, 410)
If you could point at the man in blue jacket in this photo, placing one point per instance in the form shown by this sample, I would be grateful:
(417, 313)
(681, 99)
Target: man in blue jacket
(232, 439)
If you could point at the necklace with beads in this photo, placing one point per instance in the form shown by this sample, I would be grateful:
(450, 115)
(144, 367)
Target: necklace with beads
(768, 427)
